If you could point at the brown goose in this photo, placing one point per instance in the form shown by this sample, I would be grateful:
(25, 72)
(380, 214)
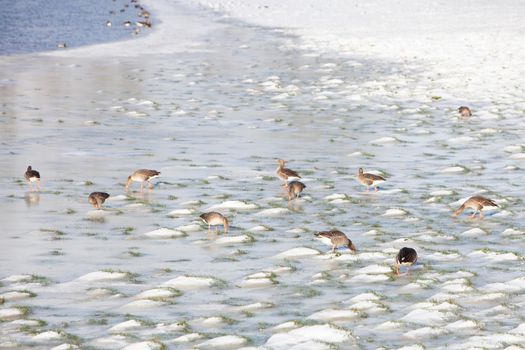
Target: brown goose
(215, 219)
(335, 238)
(285, 174)
(294, 189)
(96, 199)
(464, 111)
(368, 179)
(406, 257)
(142, 175)
(477, 203)
(32, 176)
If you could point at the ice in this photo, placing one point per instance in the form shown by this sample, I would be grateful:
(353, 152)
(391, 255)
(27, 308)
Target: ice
(15, 295)
(394, 212)
(427, 317)
(234, 205)
(10, 313)
(164, 233)
(374, 269)
(144, 345)
(65, 346)
(99, 276)
(322, 333)
(223, 342)
(125, 326)
(234, 239)
(181, 212)
(424, 332)
(187, 338)
(454, 169)
(16, 278)
(384, 140)
(474, 232)
(297, 253)
(329, 315)
(46, 336)
(190, 282)
(156, 293)
(211, 96)
(273, 212)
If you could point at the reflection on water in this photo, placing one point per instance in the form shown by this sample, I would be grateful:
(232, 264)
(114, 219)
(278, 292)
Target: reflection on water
(32, 198)
(214, 124)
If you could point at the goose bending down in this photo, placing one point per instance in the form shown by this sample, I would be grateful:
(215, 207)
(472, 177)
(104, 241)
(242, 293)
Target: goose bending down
(142, 175)
(335, 238)
(294, 189)
(215, 219)
(96, 199)
(477, 203)
(406, 257)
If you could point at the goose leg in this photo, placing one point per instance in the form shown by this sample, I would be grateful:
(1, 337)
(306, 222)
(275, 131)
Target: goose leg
(38, 185)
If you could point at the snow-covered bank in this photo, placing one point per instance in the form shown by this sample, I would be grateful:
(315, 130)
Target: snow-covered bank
(475, 48)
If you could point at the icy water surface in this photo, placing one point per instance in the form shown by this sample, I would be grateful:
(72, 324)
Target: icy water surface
(144, 273)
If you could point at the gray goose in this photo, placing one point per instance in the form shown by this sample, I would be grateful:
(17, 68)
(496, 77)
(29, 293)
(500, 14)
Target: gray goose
(285, 174)
(32, 176)
(294, 189)
(213, 218)
(407, 257)
(367, 179)
(477, 203)
(335, 238)
(142, 175)
(96, 199)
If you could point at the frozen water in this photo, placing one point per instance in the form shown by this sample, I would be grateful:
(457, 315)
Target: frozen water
(212, 101)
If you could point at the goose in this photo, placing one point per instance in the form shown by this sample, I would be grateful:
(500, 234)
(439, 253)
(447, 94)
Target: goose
(335, 238)
(478, 204)
(96, 199)
(285, 174)
(294, 189)
(213, 218)
(368, 179)
(32, 176)
(142, 175)
(407, 257)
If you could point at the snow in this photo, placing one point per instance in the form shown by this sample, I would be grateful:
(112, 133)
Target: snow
(99, 276)
(233, 205)
(164, 233)
(10, 313)
(223, 342)
(124, 326)
(190, 282)
(297, 253)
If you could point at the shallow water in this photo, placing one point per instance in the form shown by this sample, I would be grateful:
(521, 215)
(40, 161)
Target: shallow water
(38, 25)
(214, 124)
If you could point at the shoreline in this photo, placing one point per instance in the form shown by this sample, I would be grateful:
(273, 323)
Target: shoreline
(176, 29)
